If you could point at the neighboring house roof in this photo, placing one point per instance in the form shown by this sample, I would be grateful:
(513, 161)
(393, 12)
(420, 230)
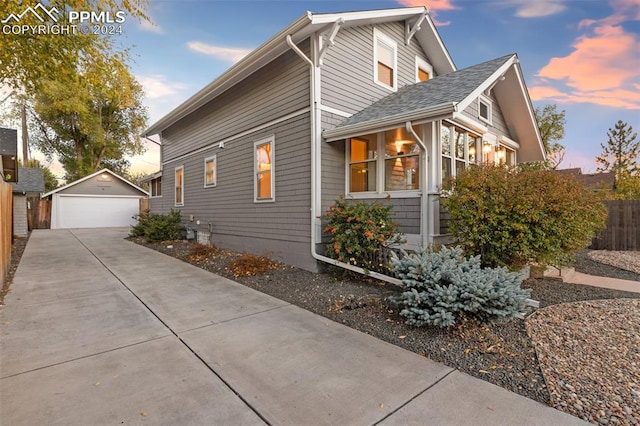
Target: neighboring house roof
(150, 177)
(30, 179)
(62, 188)
(299, 30)
(593, 181)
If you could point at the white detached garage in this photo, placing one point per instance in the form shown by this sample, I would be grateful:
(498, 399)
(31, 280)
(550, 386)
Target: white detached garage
(100, 200)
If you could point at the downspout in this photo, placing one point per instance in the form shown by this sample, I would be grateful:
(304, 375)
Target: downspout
(424, 199)
(315, 177)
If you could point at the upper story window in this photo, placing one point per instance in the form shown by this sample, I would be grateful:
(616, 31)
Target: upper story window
(264, 185)
(179, 186)
(485, 109)
(459, 149)
(210, 171)
(424, 71)
(388, 161)
(385, 58)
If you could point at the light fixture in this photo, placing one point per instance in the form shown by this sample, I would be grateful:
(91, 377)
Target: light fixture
(486, 148)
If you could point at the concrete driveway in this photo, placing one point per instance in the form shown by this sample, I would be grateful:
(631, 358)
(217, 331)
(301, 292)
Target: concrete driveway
(98, 330)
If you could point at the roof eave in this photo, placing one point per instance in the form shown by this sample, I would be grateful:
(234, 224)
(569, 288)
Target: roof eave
(436, 112)
(75, 182)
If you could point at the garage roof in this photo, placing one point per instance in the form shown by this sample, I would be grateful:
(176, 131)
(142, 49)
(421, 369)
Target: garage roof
(99, 172)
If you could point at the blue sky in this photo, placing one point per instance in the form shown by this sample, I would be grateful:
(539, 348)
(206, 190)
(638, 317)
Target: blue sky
(583, 55)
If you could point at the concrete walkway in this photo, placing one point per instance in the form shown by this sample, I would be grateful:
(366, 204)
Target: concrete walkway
(98, 330)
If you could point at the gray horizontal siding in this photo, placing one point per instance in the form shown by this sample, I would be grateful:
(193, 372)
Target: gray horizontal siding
(99, 185)
(498, 125)
(229, 206)
(276, 90)
(333, 164)
(347, 73)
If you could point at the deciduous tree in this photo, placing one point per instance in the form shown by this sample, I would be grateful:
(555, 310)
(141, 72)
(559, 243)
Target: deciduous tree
(551, 124)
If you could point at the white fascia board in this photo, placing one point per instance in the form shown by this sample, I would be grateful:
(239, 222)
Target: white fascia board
(75, 182)
(438, 111)
(368, 16)
(432, 44)
(487, 83)
(472, 124)
(527, 98)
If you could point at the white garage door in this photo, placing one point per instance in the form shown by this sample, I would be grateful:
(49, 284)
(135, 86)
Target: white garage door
(95, 212)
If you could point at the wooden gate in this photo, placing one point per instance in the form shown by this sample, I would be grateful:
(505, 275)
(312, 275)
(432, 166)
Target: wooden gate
(39, 213)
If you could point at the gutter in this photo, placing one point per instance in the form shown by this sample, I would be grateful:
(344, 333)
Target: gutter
(444, 109)
(316, 173)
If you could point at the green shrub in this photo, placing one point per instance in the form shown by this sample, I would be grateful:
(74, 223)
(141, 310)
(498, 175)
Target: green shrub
(515, 216)
(442, 286)
(158, 227)
(360, 233)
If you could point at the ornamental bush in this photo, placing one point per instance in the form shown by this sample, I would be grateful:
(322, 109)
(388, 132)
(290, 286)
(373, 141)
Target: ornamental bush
(516, 216)
(360, 233)
(442, 286)
(158, 227)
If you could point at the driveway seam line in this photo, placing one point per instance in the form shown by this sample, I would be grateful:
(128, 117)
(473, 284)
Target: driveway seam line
(174, 333)
(453, 370)
(86, 356)
(233, 319)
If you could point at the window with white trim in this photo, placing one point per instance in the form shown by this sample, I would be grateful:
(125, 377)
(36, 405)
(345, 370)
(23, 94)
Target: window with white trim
(179, 186)
(264, 185)
(383, 162)
(485, 108)
(424, 71)
(385, 60)
(210, 171)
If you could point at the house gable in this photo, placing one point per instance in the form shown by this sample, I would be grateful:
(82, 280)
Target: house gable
(103, 182)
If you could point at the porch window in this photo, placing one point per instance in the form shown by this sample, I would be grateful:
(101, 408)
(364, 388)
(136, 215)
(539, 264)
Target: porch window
(385, 60)
(264, 168)
(505, 155)
(363, 152)
(210, 171)
(459, 149)
(179, 185)
(402, 161)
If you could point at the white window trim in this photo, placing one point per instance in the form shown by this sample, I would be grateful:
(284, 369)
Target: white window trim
(175, 186)
(380, 192)
(484, 100)
(213, 158)
(270, 140)
(378, 35)
(425, 66)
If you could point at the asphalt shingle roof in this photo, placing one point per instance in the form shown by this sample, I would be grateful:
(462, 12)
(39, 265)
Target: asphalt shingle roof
(448, 88)
(30, 179)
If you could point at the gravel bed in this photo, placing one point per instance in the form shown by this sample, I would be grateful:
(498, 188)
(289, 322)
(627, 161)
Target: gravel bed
(17, 248)
(627, 260)
(500, 353)
(590, 355)
(585, 263)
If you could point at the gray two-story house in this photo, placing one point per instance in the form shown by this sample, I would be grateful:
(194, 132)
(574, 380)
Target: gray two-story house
(366, 105)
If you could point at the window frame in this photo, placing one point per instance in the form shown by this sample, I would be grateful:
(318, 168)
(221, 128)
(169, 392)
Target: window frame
(175, 186)
(380, 160)
(153, 183)
(214, 159)
(489, 104)
(271, 141)
(454, 130)
(379, 36)
(425, 66)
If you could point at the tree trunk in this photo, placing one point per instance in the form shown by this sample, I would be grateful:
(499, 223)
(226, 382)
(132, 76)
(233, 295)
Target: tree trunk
(25, 137)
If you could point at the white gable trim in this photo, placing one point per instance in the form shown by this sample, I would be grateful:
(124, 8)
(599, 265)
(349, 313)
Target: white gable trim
(462, 105)
(69, 185)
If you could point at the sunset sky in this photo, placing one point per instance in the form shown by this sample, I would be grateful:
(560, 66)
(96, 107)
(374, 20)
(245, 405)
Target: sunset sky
(583, 55)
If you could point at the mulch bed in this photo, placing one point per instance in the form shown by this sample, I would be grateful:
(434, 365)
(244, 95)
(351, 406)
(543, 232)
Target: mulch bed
(501, 353)
(17, 248)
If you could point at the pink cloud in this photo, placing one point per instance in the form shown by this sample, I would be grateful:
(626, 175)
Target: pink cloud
(621, 98)
(434, 6)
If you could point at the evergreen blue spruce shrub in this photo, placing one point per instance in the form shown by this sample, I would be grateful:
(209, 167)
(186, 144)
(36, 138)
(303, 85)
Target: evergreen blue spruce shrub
(439, 287)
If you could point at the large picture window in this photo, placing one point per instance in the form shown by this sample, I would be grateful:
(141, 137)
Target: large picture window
(264, 168)
(383, 162)
(179, 186)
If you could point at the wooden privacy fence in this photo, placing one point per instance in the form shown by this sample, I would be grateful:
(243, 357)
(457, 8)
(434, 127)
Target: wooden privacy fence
(623, 227)
(39, 213)
(6, 225)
